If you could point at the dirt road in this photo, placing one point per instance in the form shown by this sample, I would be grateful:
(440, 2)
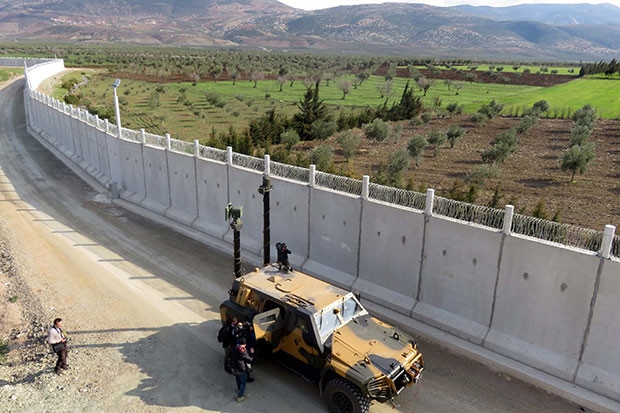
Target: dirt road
(140, 304)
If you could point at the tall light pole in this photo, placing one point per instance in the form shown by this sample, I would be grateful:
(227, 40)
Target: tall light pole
(116, 83)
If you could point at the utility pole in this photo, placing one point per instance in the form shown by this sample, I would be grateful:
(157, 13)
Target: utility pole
(233, 215)
(264, 190)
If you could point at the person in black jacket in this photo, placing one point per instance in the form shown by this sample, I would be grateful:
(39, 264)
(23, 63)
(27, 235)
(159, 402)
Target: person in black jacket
(226, 336)
(246, 330)
(240, 366)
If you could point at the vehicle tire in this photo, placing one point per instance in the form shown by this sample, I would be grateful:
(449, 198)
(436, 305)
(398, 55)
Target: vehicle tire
(344, 397)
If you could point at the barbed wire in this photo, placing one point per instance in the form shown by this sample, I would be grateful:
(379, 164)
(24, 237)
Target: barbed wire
(249, 162)
(212, 153)
(338, 183)
(113, 129)
(397, 196)
(182, 146)
(154, 140)
(294, 173)
(615, 246)
(130, 135)
(477, 214)
(566, 234)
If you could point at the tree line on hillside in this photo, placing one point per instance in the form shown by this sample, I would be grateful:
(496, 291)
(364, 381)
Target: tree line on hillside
(608, 68)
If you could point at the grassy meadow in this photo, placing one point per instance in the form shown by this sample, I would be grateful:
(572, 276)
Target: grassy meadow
(190, 112)
(7, 73)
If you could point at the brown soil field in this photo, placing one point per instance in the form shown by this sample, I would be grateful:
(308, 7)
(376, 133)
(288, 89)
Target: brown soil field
(529, 175)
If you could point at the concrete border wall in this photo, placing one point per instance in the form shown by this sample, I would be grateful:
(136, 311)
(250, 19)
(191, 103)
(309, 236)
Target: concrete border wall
(601, 358)
(546, 305)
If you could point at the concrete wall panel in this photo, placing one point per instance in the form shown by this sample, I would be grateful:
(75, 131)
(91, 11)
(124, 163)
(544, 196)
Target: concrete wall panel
(243, 185)
(132, 179)
(543, 300)
(113, 146)
(102, 152)
(182, 178)
(155, 180)
(334, 236)
(212, 187)
(289, 218)
(459, 273)
(397, 233)
(600, 368)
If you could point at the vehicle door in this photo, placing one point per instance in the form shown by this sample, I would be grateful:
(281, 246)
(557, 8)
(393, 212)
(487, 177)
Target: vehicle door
(268, 326)
(300, 342)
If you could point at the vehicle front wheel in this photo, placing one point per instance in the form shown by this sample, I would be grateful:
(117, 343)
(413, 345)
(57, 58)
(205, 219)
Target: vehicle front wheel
(344, 397)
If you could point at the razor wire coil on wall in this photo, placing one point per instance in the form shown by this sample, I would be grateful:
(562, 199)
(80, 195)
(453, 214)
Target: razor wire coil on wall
(397, 196)
(294, 173)
(248, 162)
(182, 146)
(212, 153)
(154, 140)
(477, 214)
(615, 246)
(338, 183)
(566, 234)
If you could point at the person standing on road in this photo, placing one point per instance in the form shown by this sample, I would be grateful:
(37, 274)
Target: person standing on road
(245, 330)
(240, 366)
(226, 336)
(57, 338)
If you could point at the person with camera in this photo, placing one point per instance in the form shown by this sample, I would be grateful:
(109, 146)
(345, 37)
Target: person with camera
(57, 338)
(241, 366)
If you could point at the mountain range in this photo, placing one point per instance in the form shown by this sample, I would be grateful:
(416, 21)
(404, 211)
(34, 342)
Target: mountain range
(540, 32)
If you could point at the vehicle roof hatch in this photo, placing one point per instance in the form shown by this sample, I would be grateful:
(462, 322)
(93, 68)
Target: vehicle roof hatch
(289, 285)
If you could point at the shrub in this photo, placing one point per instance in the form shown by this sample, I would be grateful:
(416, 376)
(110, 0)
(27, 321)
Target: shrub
(321, 157)
(322, 129)
(492, 109)
(437, 138)
(478, 118)
(378, 130)
(289, 138)
(415, 147)
(481, 173)
(454, 134)
(349, 143)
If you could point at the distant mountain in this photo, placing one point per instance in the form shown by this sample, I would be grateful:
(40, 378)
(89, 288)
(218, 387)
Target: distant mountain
(391, 28)
(554, 14)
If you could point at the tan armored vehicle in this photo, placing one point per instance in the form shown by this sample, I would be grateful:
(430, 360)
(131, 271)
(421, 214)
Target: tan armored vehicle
(324, 333)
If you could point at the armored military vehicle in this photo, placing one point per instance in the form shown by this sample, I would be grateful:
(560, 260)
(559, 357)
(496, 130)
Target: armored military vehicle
(326, 332)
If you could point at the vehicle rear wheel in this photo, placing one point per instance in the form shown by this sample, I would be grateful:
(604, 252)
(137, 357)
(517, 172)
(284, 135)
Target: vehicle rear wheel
(344, 397)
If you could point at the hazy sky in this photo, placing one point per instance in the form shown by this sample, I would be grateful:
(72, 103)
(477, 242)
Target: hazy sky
(323, 4)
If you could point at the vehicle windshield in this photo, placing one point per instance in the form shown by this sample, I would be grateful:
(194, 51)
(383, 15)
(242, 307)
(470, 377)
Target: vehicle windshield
(337, 315)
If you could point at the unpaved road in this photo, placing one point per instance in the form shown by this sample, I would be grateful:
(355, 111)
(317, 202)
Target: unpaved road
(140, 306)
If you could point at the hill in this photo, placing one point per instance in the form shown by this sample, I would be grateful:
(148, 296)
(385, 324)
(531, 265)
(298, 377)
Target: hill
(527, 33)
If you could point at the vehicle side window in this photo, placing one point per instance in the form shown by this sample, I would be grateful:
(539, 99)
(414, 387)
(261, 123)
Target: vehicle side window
(301, 324)
(270, 305)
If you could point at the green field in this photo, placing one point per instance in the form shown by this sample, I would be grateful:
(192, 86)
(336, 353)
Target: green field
(602, 94)
(184, 110)
(7, 73)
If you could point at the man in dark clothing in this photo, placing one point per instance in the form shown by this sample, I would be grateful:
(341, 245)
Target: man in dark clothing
(283, 253)
(226, 336)
(58, 340)
(245, 330)
(240, 366)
